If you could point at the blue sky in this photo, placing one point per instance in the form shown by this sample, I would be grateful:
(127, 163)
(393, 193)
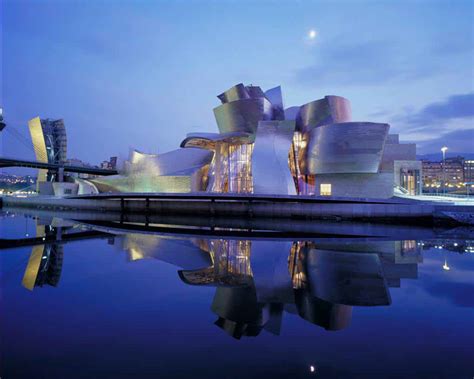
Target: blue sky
(137, 74)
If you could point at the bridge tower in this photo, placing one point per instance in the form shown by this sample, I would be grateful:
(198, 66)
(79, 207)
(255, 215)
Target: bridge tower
(2, 123)
(50, 145)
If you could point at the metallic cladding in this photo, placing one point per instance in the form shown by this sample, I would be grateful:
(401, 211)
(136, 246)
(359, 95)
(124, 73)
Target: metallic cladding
(176, 171)
(270, 169)
(144, 183)
(344, 148)
(234, 93)
(243, 115)
(275, 97)
(329, 110)
(180, 161)
(208, 140)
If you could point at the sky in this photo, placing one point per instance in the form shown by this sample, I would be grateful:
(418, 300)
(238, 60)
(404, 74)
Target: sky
(142, 74)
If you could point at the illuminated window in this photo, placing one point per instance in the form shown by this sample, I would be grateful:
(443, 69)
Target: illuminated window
(325, 189)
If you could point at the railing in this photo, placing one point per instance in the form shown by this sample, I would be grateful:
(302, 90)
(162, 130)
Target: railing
(457, 196)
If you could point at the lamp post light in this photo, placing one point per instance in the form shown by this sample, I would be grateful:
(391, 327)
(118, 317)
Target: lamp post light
(444, 149)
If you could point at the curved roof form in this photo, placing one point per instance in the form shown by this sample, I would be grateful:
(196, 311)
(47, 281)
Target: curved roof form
(178, 252)
(328, 315)
(234, 93)
(329, 110)
(275, 97)
(291, 113)
(176, 171)
(208, 140)
(328, 269)
(180, 161)
(344, 148)
(136, 156)
(243, 115)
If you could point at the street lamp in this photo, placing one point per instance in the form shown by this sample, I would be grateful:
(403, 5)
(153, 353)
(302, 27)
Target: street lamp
(443, 149)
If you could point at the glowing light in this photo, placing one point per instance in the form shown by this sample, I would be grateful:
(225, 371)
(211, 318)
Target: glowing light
(445, 266)
(444, 149)
(312, 34)
(312, 369)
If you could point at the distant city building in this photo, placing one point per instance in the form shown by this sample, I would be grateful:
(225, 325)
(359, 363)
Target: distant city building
(111, 164)
(469, 171)
(450, 178)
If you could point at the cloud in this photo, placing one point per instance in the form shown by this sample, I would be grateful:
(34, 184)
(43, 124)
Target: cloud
(363, 63)
(453, 108)
(447, 122)
(339, 62)
(459, 141)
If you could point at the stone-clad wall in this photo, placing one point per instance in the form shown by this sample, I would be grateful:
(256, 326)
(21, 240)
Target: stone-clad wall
(358, 185)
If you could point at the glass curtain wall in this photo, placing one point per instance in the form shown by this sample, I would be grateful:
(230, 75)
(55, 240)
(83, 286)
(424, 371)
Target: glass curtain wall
(231, 169)
(305, 184)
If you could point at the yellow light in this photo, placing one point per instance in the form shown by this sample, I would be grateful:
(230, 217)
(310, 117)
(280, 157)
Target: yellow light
(445, 266)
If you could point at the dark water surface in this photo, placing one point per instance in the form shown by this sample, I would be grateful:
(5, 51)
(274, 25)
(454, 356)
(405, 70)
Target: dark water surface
(107, 303)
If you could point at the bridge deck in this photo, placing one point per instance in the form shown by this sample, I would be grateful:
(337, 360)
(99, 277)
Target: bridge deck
(12, 162)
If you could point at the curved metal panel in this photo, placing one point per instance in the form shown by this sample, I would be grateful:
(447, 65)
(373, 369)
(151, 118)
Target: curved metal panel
(275, 97)
(234, 93)
(347, 278)
(350, 147)
(208, 140)
(178, 252)
(291, 113)
(330, 110)
(271, 277)
(171, 163)
(270, 169)
(175, 171)
(242, 115)
(327, 315)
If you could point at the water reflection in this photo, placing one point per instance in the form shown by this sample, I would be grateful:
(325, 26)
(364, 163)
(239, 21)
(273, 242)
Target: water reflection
(256, 280)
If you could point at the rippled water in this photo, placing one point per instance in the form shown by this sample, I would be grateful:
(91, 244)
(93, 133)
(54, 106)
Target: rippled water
(104, 302)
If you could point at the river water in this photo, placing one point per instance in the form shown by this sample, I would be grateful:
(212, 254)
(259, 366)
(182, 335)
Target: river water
(106, 300)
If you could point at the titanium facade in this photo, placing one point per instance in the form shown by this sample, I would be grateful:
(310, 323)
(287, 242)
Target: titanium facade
(344, 148)
(271, 174)
(263, 148)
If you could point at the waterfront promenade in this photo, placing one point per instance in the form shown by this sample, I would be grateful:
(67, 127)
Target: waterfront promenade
(395, 210)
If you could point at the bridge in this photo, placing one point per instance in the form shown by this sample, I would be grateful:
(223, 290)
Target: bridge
(12, 162)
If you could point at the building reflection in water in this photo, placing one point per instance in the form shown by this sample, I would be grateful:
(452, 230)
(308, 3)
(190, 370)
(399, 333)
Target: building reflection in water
(46, 261)
(259, 280)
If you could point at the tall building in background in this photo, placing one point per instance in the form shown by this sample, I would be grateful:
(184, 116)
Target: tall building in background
(50, 144)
